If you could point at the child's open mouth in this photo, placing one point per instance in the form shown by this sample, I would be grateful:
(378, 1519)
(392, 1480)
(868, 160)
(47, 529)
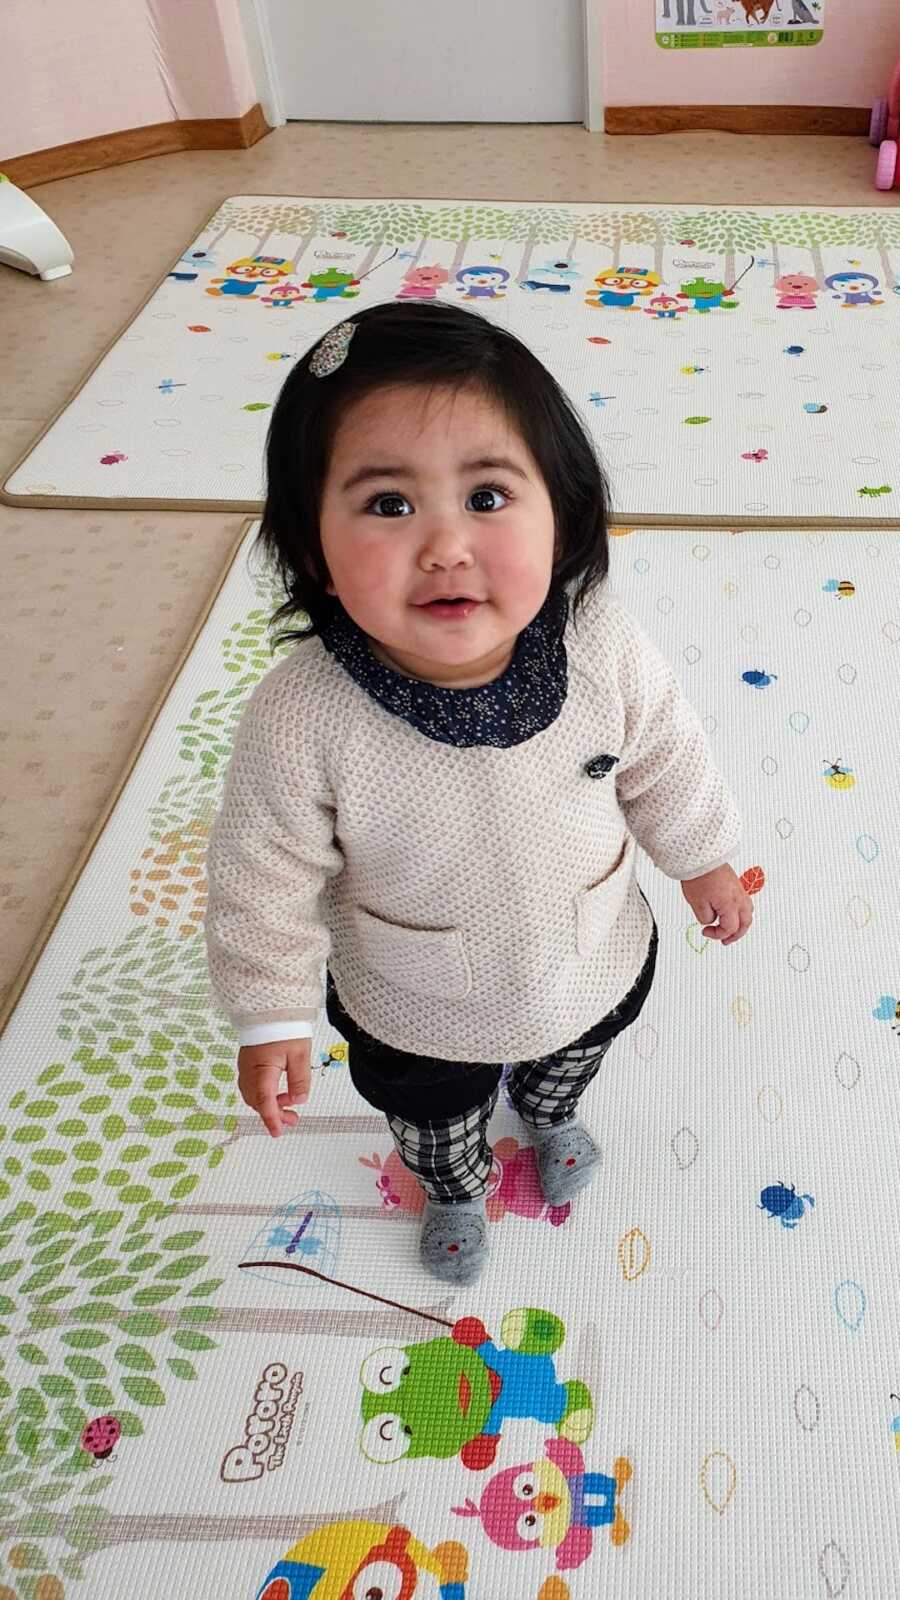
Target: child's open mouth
(460, 608)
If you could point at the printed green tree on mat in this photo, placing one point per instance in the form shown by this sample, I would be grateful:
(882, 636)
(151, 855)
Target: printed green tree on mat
(105, 1145)
(104, 1304)
(396, 222)
(88, 1528)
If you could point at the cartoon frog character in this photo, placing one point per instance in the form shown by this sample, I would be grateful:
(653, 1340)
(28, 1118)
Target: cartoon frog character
(706, 295)
(451, 1396)
(356, 1560)
(552, 1504)
(332, 285)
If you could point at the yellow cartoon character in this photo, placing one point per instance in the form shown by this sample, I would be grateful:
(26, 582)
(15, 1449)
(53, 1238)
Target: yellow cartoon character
(620, 287)
(243, 277)
(353, 1560)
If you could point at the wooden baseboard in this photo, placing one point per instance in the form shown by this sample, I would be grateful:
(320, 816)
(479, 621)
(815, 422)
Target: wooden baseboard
(135, 144)
(847, 120)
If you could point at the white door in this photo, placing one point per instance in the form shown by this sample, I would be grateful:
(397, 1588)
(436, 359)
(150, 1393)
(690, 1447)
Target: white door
(427, 60)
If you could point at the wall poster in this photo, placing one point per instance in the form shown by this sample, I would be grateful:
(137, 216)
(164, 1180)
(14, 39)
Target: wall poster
(699, 24)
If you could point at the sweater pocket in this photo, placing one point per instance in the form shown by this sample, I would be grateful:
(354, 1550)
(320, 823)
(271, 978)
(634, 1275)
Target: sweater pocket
(597, 907)
(424, 961)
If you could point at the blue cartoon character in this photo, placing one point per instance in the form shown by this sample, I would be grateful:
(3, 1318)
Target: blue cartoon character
(552, 1504)
(784, 1204)
(359, 1560)
(451, 1396)
(245, 276)
(554, 277)
(482, 283)
(853, 288)
(187, 267)
(888, 1010)
(620, 287)
(758, 679)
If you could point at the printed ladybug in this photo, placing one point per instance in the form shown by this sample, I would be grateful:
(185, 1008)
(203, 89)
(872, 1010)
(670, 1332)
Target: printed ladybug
(101, 1436)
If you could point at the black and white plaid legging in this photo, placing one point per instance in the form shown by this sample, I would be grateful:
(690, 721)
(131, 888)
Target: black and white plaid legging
(438, 1111)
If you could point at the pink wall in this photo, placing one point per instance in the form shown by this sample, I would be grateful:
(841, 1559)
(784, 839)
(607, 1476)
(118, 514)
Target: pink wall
(72, 71)
(851, 65)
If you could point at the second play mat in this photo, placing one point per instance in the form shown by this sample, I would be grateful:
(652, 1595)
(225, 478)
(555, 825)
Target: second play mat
(735, 365)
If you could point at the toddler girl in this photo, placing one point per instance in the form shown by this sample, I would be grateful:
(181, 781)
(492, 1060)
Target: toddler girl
(434, 801)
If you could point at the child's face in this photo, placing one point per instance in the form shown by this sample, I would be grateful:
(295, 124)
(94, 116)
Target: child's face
(431, 526)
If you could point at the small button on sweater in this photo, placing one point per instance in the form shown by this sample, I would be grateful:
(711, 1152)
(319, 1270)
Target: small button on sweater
(462, 859)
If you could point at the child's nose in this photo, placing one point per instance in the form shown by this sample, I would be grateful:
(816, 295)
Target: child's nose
(546, 1502)
(445, 541)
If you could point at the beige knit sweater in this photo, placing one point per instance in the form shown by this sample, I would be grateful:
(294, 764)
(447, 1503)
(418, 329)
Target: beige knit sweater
(475, 904)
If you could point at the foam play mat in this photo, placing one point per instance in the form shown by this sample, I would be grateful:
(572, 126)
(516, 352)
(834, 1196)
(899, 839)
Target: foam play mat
(736, 365)
(224, 1373)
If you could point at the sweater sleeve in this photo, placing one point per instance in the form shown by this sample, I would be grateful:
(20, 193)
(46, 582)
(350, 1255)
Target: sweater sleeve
(271, 849)
(675, 800)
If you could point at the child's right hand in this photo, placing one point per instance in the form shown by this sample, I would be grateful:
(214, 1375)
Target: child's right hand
(259, 1073)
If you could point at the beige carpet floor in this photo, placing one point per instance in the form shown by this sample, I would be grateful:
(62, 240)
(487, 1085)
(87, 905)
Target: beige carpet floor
(99, 605)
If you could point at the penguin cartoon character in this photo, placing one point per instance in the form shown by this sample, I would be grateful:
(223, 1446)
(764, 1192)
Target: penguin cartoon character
(482, 283)
(357, 1560)
(620, 287)
(854, 289)
(250, 273)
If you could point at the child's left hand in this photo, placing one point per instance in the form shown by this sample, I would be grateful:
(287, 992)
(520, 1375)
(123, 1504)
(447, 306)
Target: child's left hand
(719, 893)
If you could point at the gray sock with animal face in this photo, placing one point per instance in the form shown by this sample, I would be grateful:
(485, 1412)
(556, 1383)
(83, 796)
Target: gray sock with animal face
(453, 1244)
(567, 1158)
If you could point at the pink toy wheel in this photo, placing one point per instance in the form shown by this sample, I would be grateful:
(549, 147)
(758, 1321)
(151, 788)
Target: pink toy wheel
(878, 122)
(886, 167)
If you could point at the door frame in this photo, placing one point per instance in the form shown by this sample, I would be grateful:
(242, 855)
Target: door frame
(262, 63)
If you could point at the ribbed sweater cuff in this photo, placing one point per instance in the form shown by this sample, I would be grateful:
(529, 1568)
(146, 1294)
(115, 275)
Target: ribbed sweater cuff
(270, 1032)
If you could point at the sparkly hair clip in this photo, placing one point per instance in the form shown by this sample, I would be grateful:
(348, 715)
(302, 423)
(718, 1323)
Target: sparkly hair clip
(331, 352)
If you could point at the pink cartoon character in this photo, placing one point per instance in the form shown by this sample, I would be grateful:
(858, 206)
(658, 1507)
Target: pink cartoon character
(796, 291)
(552, 1504)
(664, 306)
(100, 1437)
(422, 283)
(282, 296)
(398, 1188)
(514, 1187)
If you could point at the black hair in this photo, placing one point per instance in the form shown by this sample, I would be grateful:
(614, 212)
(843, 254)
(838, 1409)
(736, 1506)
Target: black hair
(425, 342)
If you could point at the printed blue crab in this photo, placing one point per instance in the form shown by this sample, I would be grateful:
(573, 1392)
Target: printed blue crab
(784, 1203)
